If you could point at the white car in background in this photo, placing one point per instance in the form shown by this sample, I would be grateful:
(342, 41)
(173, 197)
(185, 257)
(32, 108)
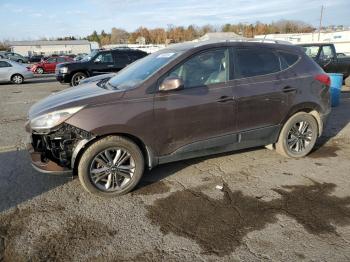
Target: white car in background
(14, 72)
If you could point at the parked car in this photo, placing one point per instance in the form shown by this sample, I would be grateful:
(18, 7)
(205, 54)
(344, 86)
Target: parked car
(49, 64)
(326, 56)
(14, 57)
(98, 62)
(186, 101)
(35, 58)
(14, 72)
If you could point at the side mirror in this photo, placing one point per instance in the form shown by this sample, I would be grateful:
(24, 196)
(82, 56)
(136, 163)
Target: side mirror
(97, 61)
(171, 83)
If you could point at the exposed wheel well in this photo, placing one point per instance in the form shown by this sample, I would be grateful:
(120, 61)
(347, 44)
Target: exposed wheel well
(144, 149)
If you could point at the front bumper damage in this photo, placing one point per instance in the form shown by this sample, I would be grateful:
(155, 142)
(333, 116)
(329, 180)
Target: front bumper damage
(56, 151)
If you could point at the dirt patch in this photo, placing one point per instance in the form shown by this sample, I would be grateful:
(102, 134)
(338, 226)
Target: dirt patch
(219, 225)
(151, 188)
(76, 232)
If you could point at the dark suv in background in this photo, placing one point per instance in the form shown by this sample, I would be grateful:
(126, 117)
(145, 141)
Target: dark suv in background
(98, 62)
(186, 101)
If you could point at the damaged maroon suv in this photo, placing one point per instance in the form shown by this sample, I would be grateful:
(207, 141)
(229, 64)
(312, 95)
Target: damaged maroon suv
(186, 101)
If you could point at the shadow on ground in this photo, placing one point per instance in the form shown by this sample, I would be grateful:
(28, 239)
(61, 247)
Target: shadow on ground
(19, 182)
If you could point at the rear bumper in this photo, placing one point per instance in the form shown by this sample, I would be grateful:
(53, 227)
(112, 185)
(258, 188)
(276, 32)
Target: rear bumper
(28, 75)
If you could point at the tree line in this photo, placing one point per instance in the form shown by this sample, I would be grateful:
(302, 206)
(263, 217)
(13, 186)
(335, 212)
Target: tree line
(176, 34)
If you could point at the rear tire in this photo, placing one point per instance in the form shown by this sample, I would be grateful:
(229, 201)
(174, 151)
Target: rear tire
(298, 136)
(347, 81)
(107, 175)
(39, 70)
(17, 79)
(77, 77)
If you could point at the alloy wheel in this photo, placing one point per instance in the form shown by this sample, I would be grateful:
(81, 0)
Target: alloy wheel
(77, 79)
(17, 79)
(112, 169)
(299, 136)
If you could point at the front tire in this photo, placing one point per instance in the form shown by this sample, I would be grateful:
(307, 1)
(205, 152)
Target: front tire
(111, 167)
(298, 136)
(17, 79)
(77, 77)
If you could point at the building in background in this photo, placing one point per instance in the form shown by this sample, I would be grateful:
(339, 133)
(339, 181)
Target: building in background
(150, 48)
(341, 39)
(218, 36)
(50, 47)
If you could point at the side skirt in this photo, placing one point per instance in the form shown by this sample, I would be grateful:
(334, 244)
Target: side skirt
(226, 143)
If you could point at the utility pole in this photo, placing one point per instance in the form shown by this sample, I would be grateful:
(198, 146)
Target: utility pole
(319, 28)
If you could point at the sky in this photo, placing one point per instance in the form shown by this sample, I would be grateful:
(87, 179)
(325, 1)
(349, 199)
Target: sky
(32, 19)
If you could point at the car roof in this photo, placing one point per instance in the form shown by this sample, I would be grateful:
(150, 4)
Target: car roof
(228, 43)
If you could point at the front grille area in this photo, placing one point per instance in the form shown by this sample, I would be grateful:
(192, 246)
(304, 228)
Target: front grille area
(58, 145)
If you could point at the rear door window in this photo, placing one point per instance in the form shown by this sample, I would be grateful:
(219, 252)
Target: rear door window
(326, 52)
(51, 60)
(122, 59)
(105, 57)
(4, 64)
(255, 62)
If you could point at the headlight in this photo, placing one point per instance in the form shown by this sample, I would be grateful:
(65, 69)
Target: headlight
(64, 70)
(50, 120)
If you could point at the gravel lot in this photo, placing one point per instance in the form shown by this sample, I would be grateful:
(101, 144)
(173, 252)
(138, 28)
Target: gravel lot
(251, 205)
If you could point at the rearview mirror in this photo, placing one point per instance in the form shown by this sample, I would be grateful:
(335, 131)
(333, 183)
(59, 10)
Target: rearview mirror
(171, 83)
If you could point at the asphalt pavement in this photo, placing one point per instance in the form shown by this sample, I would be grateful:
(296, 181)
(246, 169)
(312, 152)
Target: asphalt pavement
(250, 205)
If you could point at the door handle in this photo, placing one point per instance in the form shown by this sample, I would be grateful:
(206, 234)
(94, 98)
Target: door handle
(224, 99)
(289, 89)
(110, 65)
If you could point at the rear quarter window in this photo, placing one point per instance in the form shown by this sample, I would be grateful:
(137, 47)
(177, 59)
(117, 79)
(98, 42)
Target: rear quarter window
(287, 59)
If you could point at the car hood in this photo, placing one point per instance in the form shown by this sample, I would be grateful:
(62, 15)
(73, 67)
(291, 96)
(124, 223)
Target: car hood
(97, 78)
(86, 94)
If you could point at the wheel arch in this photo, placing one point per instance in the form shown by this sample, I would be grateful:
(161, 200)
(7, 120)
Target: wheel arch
(146, 151)
(311, 108)
(84, 71)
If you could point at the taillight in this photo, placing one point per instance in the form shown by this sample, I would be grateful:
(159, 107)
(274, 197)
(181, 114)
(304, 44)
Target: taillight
(324, 79)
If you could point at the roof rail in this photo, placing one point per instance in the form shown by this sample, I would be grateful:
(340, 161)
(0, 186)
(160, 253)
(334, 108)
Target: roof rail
(267, 40)
(260, 40)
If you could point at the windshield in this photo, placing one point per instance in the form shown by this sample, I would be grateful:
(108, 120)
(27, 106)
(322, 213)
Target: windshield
(89, 56)
(142, 69)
